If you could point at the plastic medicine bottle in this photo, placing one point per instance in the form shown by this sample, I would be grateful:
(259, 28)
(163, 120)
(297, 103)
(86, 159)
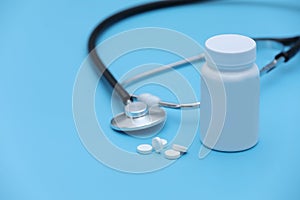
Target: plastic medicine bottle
(229, 114)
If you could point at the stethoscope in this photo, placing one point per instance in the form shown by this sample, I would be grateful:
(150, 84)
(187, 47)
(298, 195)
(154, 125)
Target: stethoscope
(145, 111)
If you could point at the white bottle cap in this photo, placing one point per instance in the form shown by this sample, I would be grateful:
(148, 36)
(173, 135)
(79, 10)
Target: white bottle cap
(231, 50)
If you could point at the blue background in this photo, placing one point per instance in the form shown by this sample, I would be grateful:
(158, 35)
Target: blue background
(43, 44)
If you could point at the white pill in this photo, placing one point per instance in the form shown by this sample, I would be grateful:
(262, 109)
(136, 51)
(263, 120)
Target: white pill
(172, 154)
(144, 149)
(179, 148)
(158, 144)
(164, 142)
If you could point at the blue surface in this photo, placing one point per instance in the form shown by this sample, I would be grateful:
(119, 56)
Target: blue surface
(43, 44)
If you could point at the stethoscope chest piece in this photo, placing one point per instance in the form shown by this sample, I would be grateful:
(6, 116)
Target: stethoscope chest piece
(137, 116)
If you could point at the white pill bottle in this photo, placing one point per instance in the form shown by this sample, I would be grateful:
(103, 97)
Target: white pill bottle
(229, 113)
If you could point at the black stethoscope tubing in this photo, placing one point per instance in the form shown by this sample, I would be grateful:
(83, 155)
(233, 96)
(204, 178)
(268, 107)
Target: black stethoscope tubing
(108, 22)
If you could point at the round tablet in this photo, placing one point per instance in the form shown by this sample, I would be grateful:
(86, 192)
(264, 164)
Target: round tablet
(172, 154)
(144, 149)
(164, 142)
(179, 148)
